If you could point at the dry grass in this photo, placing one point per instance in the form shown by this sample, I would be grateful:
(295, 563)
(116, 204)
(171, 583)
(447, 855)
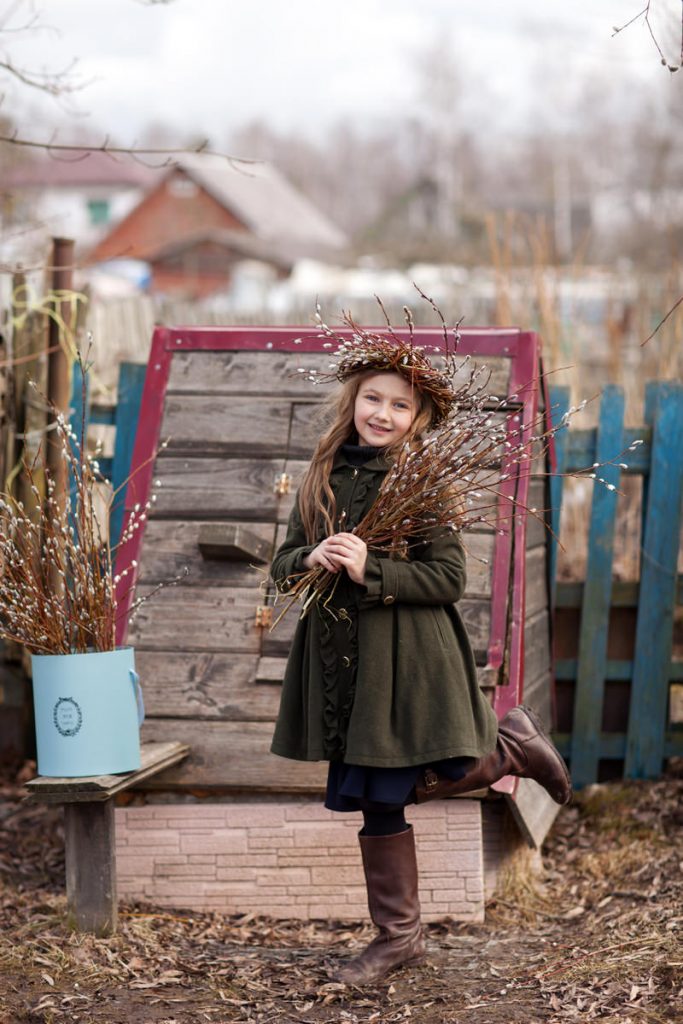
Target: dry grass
(596, 936)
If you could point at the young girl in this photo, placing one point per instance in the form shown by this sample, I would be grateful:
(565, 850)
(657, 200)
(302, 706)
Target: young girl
(385, 689)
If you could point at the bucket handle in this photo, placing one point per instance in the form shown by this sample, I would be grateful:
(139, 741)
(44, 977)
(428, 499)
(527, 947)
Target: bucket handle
(135, 679)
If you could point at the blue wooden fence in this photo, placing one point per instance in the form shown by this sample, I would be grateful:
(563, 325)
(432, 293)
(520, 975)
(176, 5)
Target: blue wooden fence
(650, 737)
(124, 417)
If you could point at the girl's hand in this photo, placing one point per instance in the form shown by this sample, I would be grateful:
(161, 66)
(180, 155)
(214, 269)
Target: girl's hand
(348, 551)
(322, 555)
(341, 551)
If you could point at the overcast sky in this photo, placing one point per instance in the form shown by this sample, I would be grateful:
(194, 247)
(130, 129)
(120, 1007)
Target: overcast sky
(207, 66)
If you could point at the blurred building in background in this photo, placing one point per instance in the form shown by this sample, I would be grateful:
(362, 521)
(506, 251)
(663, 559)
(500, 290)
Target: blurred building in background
(209, 213)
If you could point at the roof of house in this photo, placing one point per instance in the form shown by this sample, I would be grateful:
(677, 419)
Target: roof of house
(80, 169)
(269, 206)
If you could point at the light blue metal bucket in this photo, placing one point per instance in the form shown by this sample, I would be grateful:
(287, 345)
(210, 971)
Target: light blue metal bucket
(88, 711)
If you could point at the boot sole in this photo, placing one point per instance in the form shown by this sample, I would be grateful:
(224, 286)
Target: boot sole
(533, 717)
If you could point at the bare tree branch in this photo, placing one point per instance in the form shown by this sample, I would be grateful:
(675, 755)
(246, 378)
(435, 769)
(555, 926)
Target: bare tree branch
(616, 29)
(663, 321)
(645, 13)
(55, 84)
(82, 151)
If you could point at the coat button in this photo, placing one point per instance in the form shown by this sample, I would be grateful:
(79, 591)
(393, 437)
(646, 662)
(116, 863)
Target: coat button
(354, 474)
(389, 599)
(346, 661)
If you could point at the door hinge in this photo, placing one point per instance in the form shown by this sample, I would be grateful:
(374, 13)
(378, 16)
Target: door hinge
(264, 616)
(283, 484)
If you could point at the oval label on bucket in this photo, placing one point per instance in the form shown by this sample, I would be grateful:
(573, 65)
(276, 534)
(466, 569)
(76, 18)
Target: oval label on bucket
(67, 716)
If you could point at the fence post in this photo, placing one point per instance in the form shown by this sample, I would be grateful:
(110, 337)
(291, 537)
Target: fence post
(649, 409)
(131, 383)
(559, 404)
(657, 592)
(79, 418)
(597, 593)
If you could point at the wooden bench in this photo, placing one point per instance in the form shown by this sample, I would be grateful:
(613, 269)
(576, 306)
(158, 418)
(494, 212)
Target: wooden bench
(89, 833)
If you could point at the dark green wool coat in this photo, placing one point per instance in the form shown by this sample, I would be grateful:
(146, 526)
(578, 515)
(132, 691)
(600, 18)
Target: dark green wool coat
(392, 681)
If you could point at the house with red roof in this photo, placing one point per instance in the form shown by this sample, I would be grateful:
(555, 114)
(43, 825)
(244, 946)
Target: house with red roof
(206, 214)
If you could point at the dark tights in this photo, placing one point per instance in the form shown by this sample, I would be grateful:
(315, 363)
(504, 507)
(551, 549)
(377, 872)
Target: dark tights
(383, 819)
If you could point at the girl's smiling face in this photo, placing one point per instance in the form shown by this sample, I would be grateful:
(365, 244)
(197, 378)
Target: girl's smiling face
(385, 407)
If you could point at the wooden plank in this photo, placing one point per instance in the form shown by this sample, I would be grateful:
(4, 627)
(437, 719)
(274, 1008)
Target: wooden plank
(295, 469)
(536, 593)
(80, 411)
(559, 404)
(208, 425)
(224, 687)
(649, 410)
(537, 694)
(233, 756)
(537, 533)
(246, 373)
(654, 626)
(582, 448)
(205, 685)
(309, 421)
(200, 618)
(129, 400)
(276, 373)
(271, 671)
(566, 668)
(533, 810)
(495, 378)
(209, 488)
(229, 542)
(154, 757)
(90, 856)
(78, 420)
(479, 550)
(538, 666)
(172, 545)
(613, 744)
(590, 683)
(624, 593)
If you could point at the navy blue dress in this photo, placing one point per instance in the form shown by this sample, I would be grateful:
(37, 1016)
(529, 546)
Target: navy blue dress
(349, 786)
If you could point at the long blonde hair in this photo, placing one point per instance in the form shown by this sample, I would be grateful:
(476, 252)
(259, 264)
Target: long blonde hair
(317, 505)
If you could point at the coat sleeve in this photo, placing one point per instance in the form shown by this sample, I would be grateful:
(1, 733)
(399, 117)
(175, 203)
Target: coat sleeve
(289, 557)
(437, 575)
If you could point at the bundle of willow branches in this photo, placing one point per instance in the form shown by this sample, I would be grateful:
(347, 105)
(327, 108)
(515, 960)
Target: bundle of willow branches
(57, 582)
(451, 479)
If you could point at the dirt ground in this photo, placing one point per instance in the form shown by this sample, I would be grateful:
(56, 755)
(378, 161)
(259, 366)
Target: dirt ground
(599, 936)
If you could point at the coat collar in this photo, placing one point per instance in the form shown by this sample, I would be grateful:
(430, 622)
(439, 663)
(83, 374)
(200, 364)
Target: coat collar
(378, 464)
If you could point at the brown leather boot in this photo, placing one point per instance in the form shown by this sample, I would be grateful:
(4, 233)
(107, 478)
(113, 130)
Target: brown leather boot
(523, 748)
(391, 877)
